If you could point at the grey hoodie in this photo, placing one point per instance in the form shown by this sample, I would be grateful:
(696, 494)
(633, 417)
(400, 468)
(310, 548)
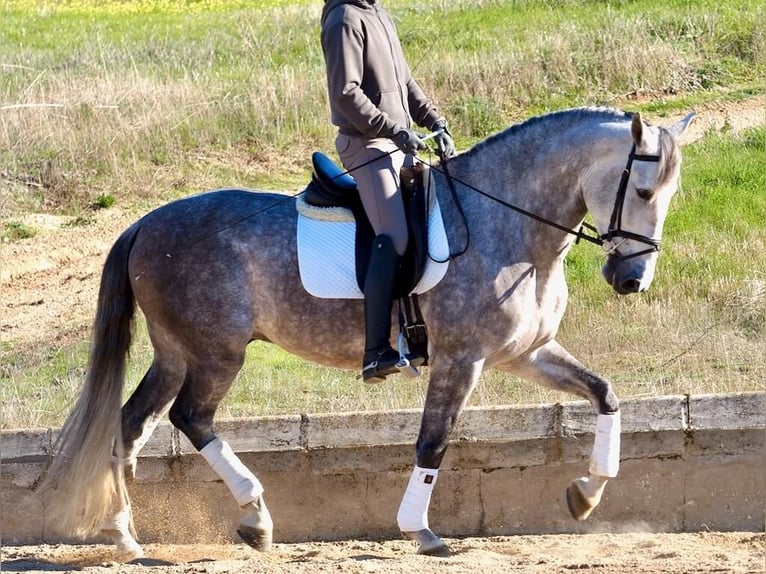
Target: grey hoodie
(371, 90)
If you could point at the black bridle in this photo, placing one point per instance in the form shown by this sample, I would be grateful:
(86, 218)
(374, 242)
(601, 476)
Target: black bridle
(615, 221)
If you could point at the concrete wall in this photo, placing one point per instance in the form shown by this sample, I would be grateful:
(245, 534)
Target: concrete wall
(688, 464)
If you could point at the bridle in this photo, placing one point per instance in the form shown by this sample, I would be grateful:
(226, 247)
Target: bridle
(615, 221)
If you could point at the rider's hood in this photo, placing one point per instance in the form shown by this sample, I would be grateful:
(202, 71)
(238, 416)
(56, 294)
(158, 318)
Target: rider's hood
(331, 4)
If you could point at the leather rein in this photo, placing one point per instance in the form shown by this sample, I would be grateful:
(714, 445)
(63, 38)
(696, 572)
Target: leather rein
(615, 222)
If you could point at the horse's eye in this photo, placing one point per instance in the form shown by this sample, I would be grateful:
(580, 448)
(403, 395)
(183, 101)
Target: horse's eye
(644, 193)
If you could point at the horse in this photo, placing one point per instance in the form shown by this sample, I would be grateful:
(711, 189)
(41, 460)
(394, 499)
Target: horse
(215, 271)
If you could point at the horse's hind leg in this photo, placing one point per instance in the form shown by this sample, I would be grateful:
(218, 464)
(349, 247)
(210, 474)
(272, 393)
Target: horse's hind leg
(551, 365)
(192, 413)
(140, 415)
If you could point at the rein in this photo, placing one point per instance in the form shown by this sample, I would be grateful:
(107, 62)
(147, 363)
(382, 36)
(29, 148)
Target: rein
(615, 222)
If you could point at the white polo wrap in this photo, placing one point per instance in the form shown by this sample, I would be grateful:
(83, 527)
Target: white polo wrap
(241, 482)
(605, 458)
(413, 511)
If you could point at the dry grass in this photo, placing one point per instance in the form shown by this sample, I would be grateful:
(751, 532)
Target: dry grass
(145, 106)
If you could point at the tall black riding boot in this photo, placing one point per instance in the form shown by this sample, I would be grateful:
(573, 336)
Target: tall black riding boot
(379, 358)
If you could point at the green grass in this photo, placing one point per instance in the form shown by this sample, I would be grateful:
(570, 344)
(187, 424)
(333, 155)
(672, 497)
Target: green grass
(136, 103)
(163, 99)
(701, 326)
(699, 329)
(15, 230)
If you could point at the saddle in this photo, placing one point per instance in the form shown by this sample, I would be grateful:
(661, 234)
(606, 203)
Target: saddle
(331, 186)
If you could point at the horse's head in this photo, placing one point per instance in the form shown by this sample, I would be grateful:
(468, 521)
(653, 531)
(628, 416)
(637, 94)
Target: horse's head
(630, 199)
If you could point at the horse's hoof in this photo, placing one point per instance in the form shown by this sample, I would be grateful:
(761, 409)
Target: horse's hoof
(257, 539)
(129, 554)
(128, 550)
(429, 543)
(583, 495)
(256, 527)
(125, 546)
(578, 506)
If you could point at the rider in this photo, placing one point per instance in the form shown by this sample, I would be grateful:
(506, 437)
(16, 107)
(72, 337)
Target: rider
(373, 102)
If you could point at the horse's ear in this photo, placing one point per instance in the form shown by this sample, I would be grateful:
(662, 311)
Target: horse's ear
(637, 129)
(680, 126)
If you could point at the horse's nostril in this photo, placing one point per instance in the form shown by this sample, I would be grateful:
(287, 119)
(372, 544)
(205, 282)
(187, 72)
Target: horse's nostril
(631, 286)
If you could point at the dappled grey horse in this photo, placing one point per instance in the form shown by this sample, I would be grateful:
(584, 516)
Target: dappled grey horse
(218, 270)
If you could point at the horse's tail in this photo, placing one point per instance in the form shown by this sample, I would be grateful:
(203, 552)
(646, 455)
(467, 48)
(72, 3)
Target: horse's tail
(85, 481)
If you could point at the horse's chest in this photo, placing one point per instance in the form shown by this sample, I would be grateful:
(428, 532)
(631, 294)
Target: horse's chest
(532, 304)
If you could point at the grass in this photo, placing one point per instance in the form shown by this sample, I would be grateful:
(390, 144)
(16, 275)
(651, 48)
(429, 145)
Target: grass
(15, 230)
(136, 103)
(700, 329)
(166, 98)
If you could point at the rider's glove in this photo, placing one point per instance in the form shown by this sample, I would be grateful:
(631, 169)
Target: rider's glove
(443, 139)
(408, 141)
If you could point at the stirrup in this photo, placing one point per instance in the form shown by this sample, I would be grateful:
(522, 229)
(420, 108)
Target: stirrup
(408, 363)
(384, 364)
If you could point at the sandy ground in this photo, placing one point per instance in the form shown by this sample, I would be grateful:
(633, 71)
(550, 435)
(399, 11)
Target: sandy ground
(49, 285)
(636, 553)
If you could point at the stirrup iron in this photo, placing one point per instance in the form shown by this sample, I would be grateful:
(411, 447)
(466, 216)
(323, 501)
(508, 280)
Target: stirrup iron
(404, 365)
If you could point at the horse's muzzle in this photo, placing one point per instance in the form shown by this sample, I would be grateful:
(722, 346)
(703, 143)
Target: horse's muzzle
(626, 276)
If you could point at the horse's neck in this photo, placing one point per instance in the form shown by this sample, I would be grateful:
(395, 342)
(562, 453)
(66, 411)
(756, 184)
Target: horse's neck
(535, 179)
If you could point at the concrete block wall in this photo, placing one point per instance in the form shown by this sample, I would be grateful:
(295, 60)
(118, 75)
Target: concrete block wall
(688, 463)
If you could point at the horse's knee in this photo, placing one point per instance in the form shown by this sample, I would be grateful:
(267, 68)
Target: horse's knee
(601, 394)
(608, 403)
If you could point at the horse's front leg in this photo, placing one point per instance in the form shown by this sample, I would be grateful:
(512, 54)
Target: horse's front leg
(448, 390)
(551, 365)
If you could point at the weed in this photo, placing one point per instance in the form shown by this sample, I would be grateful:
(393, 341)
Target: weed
(16, 230)
(103, 201)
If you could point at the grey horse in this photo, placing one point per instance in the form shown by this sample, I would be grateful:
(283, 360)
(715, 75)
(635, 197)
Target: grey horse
(215, 271)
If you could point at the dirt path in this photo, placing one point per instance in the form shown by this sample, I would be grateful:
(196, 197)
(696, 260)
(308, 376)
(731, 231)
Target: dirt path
(635, 553)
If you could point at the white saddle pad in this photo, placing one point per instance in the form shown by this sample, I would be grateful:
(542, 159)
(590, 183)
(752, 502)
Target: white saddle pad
(326, 252)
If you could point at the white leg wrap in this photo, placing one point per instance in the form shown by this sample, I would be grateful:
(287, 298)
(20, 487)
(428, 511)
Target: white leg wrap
(241, 482)
(117, 527)
(413, 511)
(119, 520)
(605, 458)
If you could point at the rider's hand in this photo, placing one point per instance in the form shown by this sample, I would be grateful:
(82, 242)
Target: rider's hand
(443, 139)
(408, 141)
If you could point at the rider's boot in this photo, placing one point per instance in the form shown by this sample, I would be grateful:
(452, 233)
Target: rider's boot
(379, 358)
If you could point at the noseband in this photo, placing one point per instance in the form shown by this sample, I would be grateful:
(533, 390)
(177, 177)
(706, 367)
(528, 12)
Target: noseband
(615, 222)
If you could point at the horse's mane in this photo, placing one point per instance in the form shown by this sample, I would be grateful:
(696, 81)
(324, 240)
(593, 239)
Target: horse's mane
(565, 118)
(561, 118)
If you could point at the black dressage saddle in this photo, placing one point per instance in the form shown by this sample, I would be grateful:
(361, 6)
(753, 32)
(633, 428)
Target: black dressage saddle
(331, 186)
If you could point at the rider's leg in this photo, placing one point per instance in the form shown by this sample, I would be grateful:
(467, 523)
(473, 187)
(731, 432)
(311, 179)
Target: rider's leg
(379, 358)
(375, 164)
